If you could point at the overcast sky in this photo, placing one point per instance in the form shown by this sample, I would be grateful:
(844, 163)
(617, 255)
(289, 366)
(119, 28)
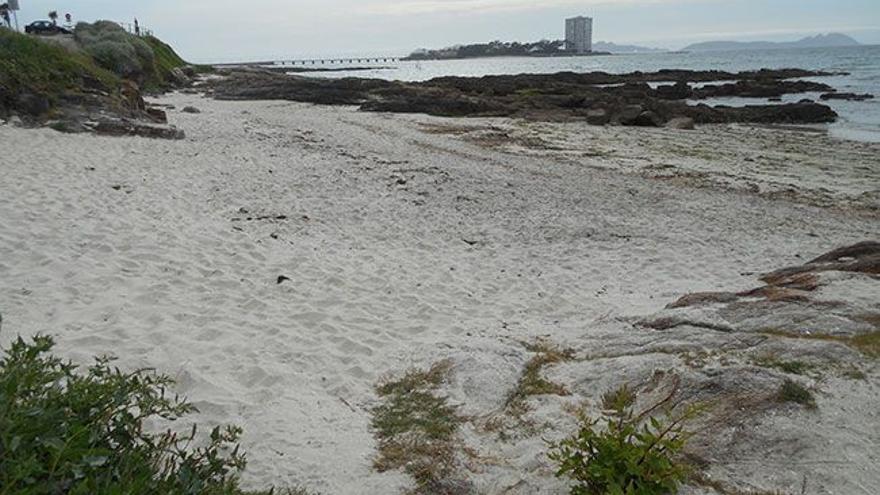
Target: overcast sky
(238, 30)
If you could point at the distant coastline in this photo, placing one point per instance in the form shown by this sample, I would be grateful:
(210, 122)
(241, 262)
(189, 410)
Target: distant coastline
(830, 40)
(555, 48)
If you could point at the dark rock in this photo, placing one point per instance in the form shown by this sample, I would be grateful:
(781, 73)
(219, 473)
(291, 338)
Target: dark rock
(846, 96)
(648, 119)
(189, 71)
(703, 299)
(34, 105)
(678, 91)
(190, 109)
(627, 115)
(131, 95)
(598, 116)
(789, 113)
(622, 97)
(129, 128)
(763, 88)
(69, 126)
(863, 257)
(438, 102)
(157, 115)
(179, 77)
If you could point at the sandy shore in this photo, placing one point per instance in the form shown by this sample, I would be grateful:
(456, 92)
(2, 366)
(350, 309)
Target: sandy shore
(407, 240)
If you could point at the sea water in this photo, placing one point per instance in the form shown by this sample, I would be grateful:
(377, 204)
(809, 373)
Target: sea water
(858, 120)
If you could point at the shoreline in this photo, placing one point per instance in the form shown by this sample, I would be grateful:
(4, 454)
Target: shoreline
(409, 239)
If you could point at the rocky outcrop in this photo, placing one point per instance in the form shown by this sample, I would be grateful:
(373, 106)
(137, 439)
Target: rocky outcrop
(597, 98)
(759, 88)
(123, 127)
(830, 296)
(846, 96)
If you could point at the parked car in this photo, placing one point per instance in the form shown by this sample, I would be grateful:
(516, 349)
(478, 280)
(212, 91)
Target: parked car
(45, 27)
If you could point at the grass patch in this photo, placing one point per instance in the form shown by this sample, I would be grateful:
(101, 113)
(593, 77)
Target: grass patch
(63, 430)
(531, 382)
(528, 93)
(854, 373)
(416, 427)
(791, 367)
(165, 58)
(873, 319)
(791, 391)
(30, 65)
(868, 344)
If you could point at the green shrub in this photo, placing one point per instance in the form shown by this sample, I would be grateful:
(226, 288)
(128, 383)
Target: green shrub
(116, 50)
(792, 391)
(166, 59)
(29, 64)
(72, 432)
(632, 455)
(120, 58)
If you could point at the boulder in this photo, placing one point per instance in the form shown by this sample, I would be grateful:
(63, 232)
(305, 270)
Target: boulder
(190, 109)
(678, 91)
(628, 115)
(179, 77)
(128, 128)
(682, 123)
(648, 119)
(157, 115)
(189, 71)
(68, 126)
(34, 105)
(131, 94)
(598, 116)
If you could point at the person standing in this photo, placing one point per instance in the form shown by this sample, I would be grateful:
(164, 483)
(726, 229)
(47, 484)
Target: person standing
(137, 27)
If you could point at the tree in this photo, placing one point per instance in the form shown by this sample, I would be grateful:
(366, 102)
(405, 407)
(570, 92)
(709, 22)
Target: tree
(53, 16)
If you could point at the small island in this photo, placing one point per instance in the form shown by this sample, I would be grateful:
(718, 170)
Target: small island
(542, 48)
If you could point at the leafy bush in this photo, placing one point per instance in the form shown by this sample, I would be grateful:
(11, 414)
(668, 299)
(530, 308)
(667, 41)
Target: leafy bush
(120, 58)
(116, 50)
(28, 64)
(635, 454)
(65, 431)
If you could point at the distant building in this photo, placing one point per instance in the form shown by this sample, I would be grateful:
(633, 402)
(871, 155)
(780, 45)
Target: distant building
(579, 34)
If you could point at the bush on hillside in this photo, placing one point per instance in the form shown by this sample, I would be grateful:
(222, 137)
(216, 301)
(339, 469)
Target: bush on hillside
(29, 65)
(118, 51)
(67, 431)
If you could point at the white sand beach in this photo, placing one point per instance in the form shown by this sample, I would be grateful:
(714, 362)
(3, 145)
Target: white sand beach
(403, 240)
